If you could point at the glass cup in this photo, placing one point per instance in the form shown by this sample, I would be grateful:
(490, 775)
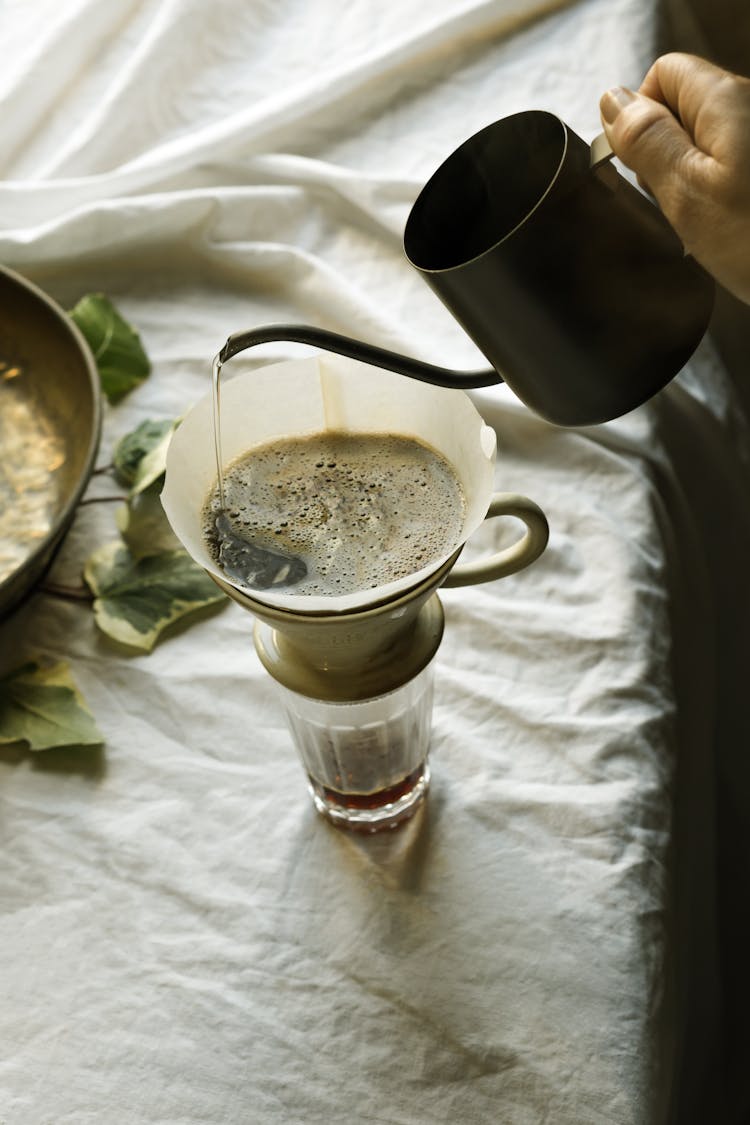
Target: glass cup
(366, 761)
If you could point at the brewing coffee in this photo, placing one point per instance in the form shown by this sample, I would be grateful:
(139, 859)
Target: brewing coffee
(334, 513)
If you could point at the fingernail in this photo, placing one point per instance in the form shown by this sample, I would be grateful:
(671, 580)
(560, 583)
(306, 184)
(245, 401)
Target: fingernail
(613, 101)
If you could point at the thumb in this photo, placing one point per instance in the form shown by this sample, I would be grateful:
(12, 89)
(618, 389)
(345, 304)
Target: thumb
(648, 138)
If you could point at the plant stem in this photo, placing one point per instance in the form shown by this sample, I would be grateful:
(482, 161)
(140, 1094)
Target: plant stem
(71, 593)
(103, 500)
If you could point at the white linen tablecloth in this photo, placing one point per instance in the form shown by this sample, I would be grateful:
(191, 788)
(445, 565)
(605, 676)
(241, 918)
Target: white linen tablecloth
(183, 940)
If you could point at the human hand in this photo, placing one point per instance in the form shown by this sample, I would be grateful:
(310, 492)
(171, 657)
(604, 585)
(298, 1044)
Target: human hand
(686, 134)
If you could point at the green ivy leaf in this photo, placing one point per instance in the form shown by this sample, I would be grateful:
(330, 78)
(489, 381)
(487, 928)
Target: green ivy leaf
(117, 348)
(144, 526)
(134, 448)
(43, 708)
(135, 599)
(153, 466)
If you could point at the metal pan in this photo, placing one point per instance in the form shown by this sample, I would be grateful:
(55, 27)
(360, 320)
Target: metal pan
(50, 425)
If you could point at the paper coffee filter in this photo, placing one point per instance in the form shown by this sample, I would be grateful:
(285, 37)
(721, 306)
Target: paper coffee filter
(309, 396)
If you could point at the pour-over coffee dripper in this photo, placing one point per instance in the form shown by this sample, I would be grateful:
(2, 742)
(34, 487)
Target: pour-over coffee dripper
(567, 278)
(354, 671)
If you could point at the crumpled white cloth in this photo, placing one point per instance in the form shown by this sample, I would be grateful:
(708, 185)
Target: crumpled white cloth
(183, 940)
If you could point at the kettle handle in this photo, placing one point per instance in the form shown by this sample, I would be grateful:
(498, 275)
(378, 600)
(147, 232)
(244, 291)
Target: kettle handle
(601, 151)
(356, 349)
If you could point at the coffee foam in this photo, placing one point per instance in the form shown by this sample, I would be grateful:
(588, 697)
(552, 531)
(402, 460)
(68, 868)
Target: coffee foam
(360, 510)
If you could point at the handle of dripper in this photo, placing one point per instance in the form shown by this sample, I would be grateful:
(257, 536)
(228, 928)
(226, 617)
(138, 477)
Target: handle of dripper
(519, 555)
(357, 349)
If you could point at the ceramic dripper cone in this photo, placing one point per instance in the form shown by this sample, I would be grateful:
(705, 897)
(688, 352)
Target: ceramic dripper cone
(305, 397)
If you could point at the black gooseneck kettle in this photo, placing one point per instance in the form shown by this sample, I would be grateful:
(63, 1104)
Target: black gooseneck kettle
(567, 278)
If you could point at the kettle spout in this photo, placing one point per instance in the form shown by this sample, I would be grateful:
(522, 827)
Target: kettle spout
(356, 349)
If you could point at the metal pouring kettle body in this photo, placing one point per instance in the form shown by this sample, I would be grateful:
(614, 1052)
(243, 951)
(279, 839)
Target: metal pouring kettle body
(565, 275)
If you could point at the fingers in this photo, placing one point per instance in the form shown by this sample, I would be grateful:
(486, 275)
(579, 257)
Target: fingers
(647, 137)
(683, 83)
(686, 135)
